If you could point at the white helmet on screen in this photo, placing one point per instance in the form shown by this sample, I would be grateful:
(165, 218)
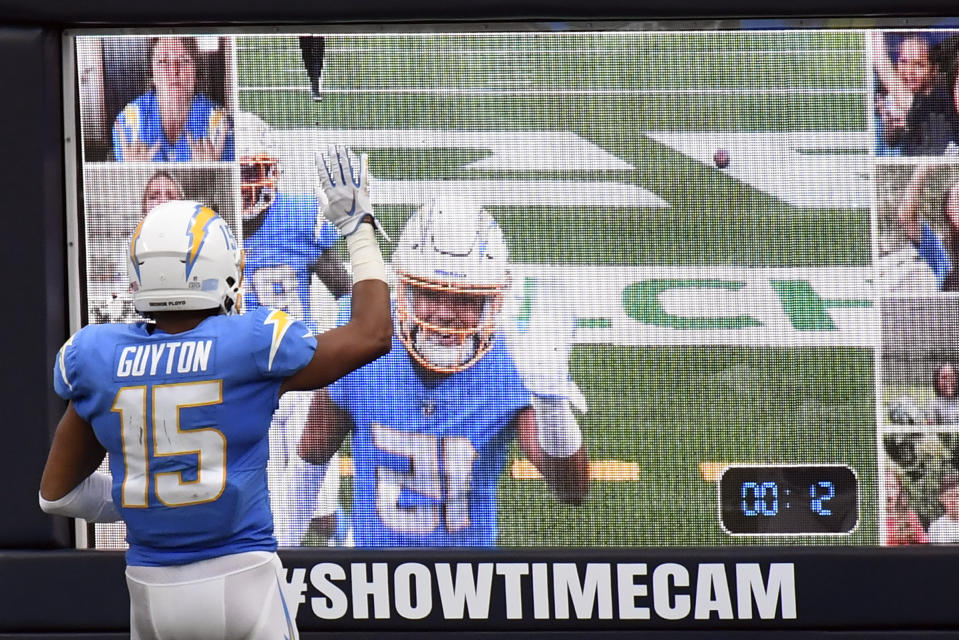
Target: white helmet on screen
(259, 167)
(184, 256)
(450, 255)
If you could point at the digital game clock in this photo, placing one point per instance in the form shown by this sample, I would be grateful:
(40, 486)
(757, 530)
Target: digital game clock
(788, 499)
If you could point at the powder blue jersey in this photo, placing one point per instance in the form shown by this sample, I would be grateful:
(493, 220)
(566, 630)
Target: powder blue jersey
(185, 418)
(280, 255)
(427, 457)
(140, 122)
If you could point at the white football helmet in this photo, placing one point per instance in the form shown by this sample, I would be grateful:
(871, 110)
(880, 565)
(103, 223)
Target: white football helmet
(184, 256)
(259, 167)
(450, 254)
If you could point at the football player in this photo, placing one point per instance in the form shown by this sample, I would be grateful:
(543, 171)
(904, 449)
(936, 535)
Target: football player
(183, 406)
(312, 49)
(287, 242)
(431, 423)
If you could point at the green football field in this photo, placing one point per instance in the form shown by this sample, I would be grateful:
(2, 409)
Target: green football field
(663, 409)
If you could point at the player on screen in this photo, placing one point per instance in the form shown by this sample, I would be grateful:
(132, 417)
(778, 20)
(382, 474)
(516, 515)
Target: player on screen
(916, 110)
(183, 407)
(431, 422)
(312, 49)
(287, 242)
(172, 122)
(285, 237)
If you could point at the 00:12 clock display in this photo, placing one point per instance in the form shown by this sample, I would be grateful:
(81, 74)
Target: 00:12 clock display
(788, 499)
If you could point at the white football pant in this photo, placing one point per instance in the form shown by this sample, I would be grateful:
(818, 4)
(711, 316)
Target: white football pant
(235, 597)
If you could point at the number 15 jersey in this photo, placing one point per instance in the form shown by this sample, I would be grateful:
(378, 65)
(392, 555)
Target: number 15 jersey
(185, 419)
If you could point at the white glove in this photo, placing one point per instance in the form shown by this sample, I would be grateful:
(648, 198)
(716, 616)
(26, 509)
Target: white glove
(541, 344)
(557, 431)
(344, 177)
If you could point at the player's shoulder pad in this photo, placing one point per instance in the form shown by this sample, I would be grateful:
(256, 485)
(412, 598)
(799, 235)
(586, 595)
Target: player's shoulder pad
(283, 345)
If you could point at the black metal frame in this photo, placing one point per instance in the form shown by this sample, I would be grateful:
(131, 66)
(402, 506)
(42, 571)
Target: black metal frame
(50, 590)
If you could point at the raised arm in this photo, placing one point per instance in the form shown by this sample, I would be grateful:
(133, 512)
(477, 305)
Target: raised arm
(366, 337)
(344, 177)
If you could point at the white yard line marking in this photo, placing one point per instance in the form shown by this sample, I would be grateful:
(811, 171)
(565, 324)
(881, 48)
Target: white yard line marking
(530, 193)
(805, 169)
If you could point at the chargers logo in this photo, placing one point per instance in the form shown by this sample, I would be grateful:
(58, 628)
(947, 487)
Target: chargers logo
(197, 230)
(281, 322)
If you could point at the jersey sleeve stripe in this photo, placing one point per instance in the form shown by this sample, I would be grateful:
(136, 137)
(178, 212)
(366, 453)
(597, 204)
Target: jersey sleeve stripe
(61, 360)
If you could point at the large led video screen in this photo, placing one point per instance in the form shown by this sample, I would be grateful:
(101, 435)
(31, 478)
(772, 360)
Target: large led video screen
(726, 257)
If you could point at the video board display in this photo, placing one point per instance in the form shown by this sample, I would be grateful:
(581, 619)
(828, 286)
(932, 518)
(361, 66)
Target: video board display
(729, 253)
